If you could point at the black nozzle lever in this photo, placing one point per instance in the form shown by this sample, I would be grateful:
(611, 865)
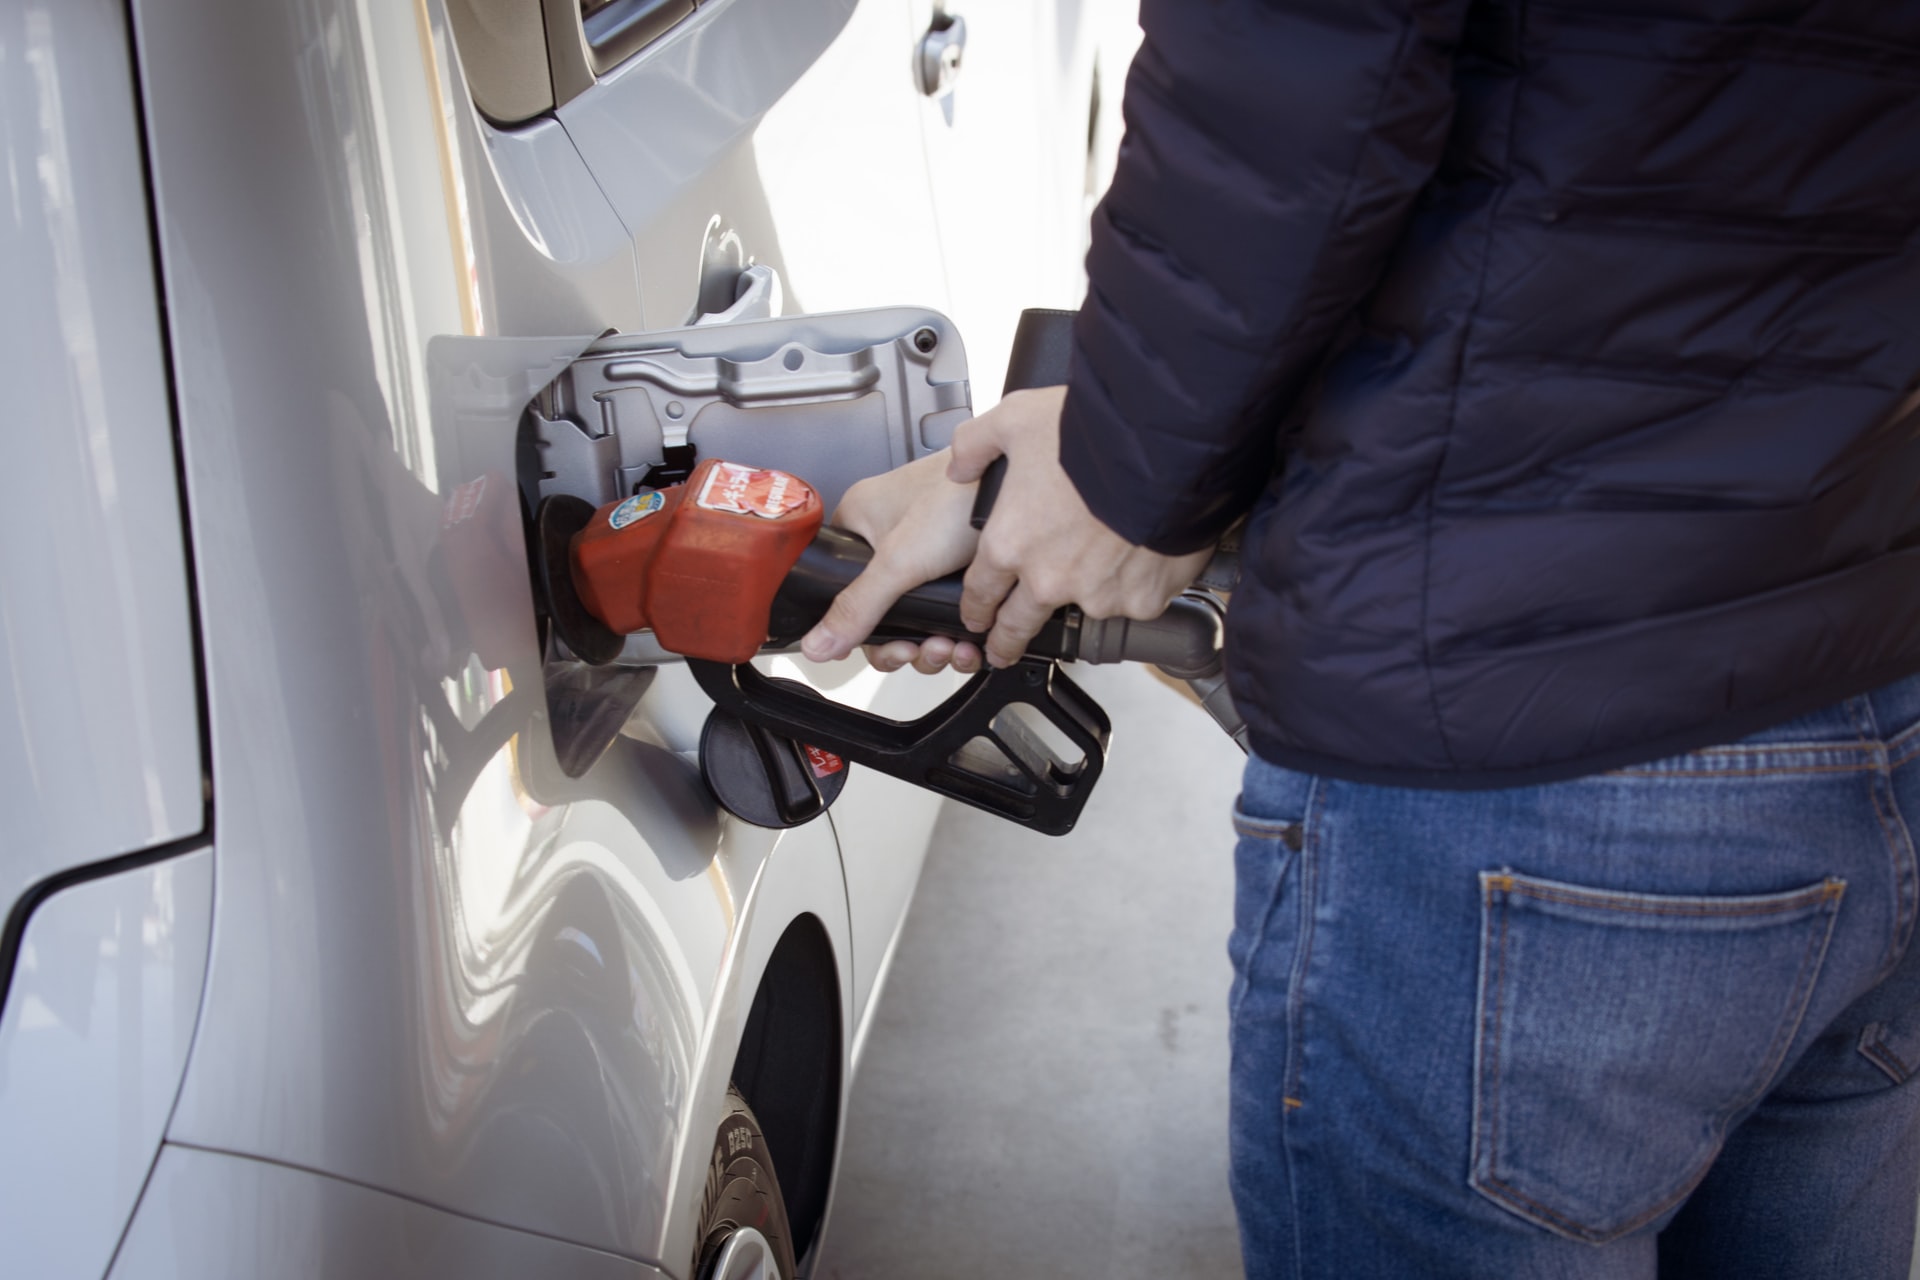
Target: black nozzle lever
(1023, 742)
(1042, 356)
(835, 558)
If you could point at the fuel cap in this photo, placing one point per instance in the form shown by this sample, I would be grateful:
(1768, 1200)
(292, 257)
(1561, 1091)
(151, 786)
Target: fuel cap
(766, 779)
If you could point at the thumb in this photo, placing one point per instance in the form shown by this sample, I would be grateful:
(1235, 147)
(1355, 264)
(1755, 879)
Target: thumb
(975, 445)
(851, 618)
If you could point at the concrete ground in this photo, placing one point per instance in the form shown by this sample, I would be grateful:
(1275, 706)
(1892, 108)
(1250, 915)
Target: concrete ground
(1043, 1093)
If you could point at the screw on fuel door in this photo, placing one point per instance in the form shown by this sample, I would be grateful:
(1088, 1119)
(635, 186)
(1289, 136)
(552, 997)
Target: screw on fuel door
(761, 777)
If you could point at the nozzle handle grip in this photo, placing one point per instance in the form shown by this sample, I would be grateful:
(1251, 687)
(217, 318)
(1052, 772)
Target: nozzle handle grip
(835, 558)
(989, 491)
(1042, 356)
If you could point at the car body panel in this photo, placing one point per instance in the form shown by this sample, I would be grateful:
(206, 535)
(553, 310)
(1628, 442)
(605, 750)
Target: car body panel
(99, 717)
(493, 987)
(796, 141)
(417, 947)
(208, 1214)
(446, 984)
(92, 1044)
(1024, 62)
(440, 967)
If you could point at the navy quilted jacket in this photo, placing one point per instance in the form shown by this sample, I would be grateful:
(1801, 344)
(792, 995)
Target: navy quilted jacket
(1565, 353)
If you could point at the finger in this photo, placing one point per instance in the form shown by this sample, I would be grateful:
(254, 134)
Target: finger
(967, 657)
(935, 653)
(1020, 618)
(852, 616)
(892, 655)
(981, 591)
(975, 445)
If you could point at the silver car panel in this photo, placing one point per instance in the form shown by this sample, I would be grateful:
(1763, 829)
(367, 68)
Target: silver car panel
(1017, 119)
(492, 986)
(92, 1045)
(654, 125)
(99, 733)
(442, 972)
(765, 139)
(440, 967)
(208, 1214)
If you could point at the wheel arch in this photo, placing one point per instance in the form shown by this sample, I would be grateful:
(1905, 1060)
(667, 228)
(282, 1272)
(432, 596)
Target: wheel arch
(789, 1067)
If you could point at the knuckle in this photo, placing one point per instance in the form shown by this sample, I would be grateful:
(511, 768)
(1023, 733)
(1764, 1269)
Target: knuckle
(995, 554)
(1049, 587)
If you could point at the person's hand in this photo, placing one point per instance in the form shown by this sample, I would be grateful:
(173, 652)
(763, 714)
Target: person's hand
(919, 523)
(1042, 548)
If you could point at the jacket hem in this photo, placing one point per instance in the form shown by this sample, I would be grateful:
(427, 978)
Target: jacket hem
(1718, 731)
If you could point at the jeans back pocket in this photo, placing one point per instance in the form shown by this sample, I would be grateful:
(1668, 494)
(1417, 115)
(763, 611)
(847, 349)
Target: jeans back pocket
(1621, 1033)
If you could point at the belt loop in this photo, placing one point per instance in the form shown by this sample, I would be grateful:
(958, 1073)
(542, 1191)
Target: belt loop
(1865, 723)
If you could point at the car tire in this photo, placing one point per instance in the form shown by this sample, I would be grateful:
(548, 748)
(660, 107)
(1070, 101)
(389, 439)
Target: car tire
(743, 1232)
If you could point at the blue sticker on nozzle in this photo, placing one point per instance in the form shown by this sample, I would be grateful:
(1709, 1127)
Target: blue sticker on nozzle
(638, 507)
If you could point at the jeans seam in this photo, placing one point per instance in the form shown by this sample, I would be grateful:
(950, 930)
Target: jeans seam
(1260, 934)
(1875, 1049)
(1897, 743)
(1789, 1028)
(1303, 953)
(1778, 771)
(1260, 828)
(1906, 874)
(1587, 1233)
(1893, 828)
(1499, 1024)
(1642, 906)
(1896, 906)
(1778, 748)
(1307, 860)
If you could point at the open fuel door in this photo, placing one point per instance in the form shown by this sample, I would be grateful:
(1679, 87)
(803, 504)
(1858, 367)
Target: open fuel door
(833, 398)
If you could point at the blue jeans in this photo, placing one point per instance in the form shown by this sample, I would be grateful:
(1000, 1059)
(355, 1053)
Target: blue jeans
(1658, 1021)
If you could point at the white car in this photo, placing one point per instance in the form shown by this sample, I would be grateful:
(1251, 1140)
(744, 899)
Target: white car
(351, 928)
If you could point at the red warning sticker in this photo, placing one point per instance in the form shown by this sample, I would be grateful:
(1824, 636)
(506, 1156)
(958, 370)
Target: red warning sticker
(747, 492)
(823, 763)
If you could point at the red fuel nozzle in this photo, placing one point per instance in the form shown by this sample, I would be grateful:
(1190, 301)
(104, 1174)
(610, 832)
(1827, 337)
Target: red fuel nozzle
(698, 563)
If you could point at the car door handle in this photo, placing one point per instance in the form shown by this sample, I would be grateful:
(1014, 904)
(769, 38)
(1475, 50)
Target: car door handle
(940, 52)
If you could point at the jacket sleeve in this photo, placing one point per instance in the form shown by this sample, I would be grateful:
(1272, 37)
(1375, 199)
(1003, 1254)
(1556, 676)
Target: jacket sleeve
(1273, 150)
